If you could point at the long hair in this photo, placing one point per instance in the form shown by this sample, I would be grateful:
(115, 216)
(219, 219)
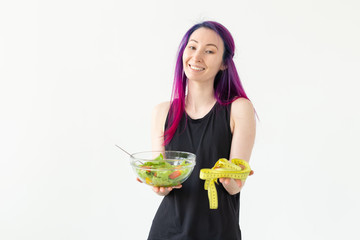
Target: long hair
(227, 85)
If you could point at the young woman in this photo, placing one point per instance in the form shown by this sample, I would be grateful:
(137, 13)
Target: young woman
(210, 115)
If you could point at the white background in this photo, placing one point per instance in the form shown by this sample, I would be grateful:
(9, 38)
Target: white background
(78, 77)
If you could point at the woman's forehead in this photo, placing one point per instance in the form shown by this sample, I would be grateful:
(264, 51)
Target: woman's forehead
(206, 36)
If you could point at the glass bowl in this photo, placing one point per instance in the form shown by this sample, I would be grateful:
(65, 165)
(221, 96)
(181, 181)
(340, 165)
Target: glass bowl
(163, 169)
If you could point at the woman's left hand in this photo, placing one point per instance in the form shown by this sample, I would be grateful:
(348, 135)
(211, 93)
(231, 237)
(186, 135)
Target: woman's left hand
(233, 185)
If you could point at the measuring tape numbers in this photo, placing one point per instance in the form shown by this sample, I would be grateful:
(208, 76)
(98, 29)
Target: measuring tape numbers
(236, 168)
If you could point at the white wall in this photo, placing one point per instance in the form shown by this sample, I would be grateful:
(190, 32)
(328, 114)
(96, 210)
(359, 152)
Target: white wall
(77, 77)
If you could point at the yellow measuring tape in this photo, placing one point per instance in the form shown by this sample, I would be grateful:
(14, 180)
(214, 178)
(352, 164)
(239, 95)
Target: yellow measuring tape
(223, 169)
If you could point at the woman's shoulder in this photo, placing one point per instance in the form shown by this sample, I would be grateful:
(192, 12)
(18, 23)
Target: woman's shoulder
(242, 114)
(162, 108)
(160, 112)
(242, 105)
(241, 110)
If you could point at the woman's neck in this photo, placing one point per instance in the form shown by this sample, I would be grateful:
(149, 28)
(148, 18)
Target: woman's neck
(200, 99)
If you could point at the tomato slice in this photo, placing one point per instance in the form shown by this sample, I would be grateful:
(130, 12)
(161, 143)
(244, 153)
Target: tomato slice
(175, 174)
(146, 167)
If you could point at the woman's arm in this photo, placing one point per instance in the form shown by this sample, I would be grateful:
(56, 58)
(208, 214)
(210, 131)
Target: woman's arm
(243, 126)
(158, 119)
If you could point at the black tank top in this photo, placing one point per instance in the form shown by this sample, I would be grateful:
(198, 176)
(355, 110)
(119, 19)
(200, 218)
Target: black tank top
(184, 214)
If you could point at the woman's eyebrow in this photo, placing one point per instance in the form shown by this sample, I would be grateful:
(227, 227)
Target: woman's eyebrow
(210, 44)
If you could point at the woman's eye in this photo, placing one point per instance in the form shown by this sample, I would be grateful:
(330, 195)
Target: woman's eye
(192, 47)
(209, 51)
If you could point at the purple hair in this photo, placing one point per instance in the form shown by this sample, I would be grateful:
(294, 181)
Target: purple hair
(227, 85)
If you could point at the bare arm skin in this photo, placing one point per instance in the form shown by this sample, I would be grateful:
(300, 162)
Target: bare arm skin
(158, 119)
(243, 126)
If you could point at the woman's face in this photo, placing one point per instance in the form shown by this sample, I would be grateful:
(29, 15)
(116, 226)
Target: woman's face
(202, 58)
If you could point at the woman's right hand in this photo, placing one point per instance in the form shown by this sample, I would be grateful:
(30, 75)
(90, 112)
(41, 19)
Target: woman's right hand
(162, 191)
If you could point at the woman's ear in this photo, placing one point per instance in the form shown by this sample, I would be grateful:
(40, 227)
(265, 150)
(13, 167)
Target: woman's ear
(223, 67)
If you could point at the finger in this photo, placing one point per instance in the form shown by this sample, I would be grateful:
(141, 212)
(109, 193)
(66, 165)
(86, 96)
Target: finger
(178, 186)
(225, 181)
(156, 189)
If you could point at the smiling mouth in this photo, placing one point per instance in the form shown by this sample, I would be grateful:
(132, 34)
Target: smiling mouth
(196, 68)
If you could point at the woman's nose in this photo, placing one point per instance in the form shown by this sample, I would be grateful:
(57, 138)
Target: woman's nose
(197, 56)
